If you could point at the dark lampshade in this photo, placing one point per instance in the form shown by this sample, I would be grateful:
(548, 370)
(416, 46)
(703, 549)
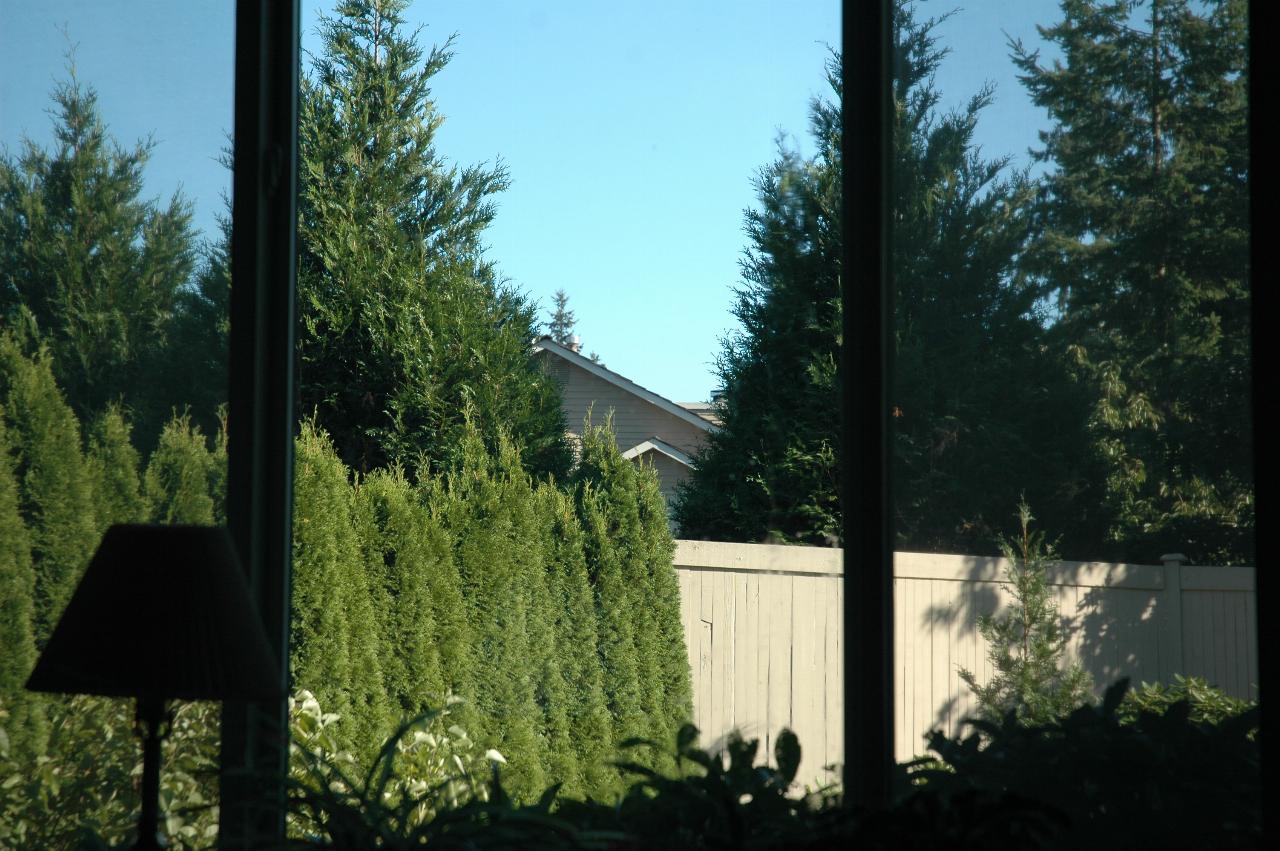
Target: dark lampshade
(162, 612)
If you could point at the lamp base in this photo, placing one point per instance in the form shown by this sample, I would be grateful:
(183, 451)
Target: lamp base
(152, 726)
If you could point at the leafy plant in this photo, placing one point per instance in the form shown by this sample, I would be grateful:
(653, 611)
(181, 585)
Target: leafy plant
(1157, 778)
(429, 785)
(1026, 645)
(1207, 704)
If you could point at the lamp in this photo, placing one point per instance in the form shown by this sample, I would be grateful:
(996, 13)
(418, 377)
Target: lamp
(163, 612)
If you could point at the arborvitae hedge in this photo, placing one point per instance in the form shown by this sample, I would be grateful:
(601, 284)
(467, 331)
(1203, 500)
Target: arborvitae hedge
(637, 593)
(55, 491)
(551, 609)
(334, 642)
(113, 465)
(179, 478)
(17, 593)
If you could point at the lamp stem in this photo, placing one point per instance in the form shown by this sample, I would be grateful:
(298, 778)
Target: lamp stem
(150, 714)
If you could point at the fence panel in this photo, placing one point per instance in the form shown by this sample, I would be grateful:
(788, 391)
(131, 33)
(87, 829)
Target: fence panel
(764, 629)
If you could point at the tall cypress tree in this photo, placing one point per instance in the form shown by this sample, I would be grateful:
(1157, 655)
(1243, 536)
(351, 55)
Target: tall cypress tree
(97, 266)
(772, 469)
(179, 477)
(1143, 242)
(975, 393)
(55, 490)
(26, 723)
(113, 463)
(403, 322)
(334, 637)
(478, 512)
(573, 605)
(629, 545)
(404, 550)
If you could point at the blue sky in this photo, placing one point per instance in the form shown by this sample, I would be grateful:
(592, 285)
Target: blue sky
(631, 133)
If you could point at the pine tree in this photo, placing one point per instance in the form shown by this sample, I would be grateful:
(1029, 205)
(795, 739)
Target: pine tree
(179, 477)
(55, 489)
(403, 322)
(1143, 243)
(1026, 645)
(560, 327)
(98, 267)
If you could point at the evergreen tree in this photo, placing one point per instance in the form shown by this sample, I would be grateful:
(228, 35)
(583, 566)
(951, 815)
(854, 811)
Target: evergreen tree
(573, 604)
(334, 637)
(55, 489)
(1143, 243)
(974, 392)
(772, 470)
(113, 464)
(26, 721)
(628, 542)
(403, 324)
(479, 512)
(407, 551)
(179, 477)
(560, 327)
(98, 267)
(1026, 645)
(196, 369)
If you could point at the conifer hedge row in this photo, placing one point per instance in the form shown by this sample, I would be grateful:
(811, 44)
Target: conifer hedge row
(550, 608)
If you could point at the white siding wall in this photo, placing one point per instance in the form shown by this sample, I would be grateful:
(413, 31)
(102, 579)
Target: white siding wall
(634, 419)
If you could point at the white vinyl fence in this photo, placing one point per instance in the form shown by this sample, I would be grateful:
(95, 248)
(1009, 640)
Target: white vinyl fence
(764, 629)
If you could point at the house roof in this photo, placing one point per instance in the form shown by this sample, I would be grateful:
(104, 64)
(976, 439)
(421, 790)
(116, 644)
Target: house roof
(709, 411)
(546, 344)
(657, 444)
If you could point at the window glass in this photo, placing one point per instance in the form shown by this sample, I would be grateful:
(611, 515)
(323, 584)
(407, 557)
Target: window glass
(1071, 341)
(114, 128)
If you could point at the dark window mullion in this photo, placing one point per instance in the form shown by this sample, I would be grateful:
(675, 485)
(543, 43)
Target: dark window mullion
(261, 420)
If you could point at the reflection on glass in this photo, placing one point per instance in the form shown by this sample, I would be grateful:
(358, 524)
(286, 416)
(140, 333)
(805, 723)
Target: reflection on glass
(1072, 340)
(113, 297)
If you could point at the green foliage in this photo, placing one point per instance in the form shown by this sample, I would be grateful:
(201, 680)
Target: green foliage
(403, 324)
(180, 474)
(574, 606)
(484, 503)
(423, 787)
(971, 380)
(1142, 242)
(1159, 779)
(560, 326)
(113, 464)
(26, 723)
(772, 470)
(1206, 704)
(84, 791)
(407, 554)
(1026, 645)
(55, 489)
(98, 268)
(334, 634)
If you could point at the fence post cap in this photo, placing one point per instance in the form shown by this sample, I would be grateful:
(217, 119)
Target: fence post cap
(1173, 558)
